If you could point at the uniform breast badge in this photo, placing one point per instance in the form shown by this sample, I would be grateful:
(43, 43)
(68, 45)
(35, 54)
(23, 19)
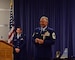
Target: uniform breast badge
(46, 34)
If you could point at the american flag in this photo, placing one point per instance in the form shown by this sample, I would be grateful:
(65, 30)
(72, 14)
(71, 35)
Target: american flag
(11, 24)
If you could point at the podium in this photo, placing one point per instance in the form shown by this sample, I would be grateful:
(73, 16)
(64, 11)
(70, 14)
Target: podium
(6, 51)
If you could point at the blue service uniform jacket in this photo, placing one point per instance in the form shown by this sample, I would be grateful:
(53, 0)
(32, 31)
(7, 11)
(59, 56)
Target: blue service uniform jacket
(44, 50)
(21, 44)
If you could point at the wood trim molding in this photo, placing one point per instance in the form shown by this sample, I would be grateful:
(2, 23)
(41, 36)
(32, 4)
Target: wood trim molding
(6, 43)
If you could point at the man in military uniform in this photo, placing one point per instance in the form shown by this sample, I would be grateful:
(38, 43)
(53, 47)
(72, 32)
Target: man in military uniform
(19, 45)
(43, 38)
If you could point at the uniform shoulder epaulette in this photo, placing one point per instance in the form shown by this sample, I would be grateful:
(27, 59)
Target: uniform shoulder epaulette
(37, 28)
(50, 28)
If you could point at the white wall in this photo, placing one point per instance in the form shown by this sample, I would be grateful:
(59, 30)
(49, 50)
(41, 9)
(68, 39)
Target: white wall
(4, 19)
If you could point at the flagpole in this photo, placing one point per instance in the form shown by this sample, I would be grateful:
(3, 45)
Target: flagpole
(11, 32)
(11, 3)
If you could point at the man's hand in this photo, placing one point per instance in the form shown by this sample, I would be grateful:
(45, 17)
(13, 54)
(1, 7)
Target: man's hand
(17, 50)
(41, 41)
(36, 40)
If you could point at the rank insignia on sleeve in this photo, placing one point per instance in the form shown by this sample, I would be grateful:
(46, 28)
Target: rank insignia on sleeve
(53, 35)
(33, 34)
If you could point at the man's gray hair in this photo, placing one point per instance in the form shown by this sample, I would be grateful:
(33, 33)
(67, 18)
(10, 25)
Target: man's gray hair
(44, 17)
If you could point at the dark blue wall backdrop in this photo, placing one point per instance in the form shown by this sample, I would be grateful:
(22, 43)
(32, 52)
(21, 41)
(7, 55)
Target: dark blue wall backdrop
(61, 14)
